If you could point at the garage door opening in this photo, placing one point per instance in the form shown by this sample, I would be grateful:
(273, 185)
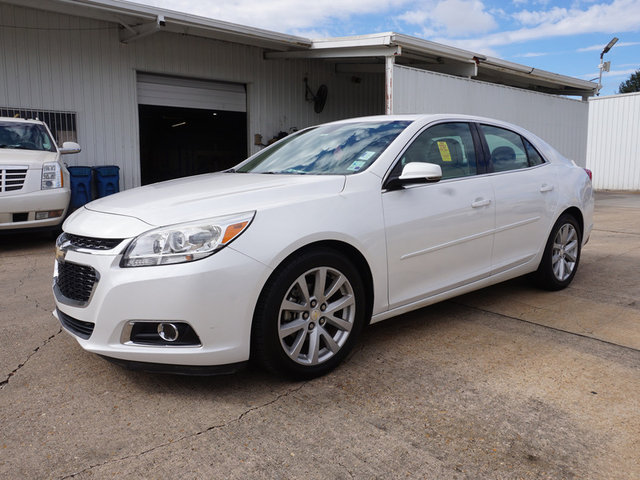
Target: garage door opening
(178, 142)
(189, 126)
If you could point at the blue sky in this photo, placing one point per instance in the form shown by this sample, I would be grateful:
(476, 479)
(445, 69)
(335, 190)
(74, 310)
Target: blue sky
(564, 37)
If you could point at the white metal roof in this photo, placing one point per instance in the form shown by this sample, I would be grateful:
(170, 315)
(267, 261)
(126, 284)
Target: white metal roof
(427, 55)
(362, 53)
(144, 20)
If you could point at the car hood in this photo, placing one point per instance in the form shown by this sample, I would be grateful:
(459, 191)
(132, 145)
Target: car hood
(206, 196)
(30, 158)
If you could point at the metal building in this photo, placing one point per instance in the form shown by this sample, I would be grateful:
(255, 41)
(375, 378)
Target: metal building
(614, 142)
(164, 94)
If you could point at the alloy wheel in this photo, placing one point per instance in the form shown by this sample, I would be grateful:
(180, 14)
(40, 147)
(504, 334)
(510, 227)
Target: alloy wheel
(316, 316)
(565, 252)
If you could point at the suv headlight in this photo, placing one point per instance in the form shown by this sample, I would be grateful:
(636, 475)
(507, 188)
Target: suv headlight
(185, 242)
(51, 176)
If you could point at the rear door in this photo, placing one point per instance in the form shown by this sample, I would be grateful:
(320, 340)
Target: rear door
(526, 194)
(439, 235)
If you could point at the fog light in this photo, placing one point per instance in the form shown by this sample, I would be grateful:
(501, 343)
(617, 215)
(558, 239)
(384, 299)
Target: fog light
(174, 333)
(168, 332)
(48, 214)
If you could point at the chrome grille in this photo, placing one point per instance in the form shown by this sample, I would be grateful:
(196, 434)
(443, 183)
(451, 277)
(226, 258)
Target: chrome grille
(91, 243)
(12, 178)
(76, 281)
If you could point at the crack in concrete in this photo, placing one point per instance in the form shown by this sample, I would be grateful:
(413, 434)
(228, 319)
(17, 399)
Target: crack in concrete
(616, 231)
(347, 469)
(5, 382)
(38, 305)
(582, 335)
(193, 435)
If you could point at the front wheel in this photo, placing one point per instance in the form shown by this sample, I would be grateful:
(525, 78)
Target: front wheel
(309, 315)
(561, 255)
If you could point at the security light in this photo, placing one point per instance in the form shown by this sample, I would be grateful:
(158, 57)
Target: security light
(609, 45)
(605, 66)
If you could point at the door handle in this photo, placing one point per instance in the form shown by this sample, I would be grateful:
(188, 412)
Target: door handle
(480, 202)
(546, 188)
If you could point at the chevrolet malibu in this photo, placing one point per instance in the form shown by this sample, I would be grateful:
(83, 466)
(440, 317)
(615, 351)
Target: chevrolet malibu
(286, 257)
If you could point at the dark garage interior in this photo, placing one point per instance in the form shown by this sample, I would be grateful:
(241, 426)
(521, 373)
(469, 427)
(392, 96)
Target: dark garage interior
(178, 142)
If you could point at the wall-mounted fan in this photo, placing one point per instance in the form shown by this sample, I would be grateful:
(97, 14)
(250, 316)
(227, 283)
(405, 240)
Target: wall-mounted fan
(318, 99)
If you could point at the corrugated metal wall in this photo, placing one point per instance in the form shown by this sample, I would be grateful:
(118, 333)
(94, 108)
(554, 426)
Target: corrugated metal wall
(560, 121)
(57, 62)
(613, 148)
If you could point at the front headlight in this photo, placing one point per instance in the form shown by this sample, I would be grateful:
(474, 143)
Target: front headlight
(51, 176)
(185, 242)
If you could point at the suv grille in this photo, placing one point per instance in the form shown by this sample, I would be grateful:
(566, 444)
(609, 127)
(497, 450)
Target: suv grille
(76, 281)
(12, 178)
(75, 326)
(92, 243)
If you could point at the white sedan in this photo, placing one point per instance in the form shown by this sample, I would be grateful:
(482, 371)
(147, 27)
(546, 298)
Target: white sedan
(286, 257)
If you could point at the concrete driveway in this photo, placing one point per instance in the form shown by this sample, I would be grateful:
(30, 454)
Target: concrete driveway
(505, 383)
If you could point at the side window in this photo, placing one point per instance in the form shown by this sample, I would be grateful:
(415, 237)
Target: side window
(506, 148)
(532, 153)
(449, 145)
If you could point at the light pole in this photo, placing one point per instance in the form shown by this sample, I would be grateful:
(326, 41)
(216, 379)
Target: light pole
(602, 65)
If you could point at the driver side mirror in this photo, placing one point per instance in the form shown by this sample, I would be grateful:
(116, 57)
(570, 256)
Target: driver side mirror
(69, 147)
(415, 173)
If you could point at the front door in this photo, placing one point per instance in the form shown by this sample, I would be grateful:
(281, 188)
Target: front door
(439, 235)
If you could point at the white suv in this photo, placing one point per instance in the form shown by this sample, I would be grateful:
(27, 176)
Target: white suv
(34, 183)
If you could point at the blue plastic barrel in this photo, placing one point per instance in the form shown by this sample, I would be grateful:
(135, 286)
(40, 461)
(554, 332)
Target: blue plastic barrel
(107, 180)
(80, 185)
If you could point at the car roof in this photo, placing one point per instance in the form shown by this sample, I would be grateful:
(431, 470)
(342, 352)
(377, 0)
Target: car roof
(20, 120)
(428, 118)
(437, 117)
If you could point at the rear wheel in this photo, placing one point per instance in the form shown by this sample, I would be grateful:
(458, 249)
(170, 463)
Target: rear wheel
(561, 256)
(309, 315)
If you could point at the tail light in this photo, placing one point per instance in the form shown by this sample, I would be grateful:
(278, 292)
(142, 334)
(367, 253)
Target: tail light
(589, 173)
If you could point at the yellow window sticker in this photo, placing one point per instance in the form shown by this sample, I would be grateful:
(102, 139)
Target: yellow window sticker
(445, 154)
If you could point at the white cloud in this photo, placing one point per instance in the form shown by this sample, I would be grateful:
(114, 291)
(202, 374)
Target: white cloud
(598, 48)
(451, 17)
(618, 16)
(281, 15)
(611, 74)
(528, 18)
(531, 54)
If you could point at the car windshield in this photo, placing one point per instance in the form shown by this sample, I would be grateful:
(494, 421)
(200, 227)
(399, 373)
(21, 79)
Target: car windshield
(26, 136)
(337, 149)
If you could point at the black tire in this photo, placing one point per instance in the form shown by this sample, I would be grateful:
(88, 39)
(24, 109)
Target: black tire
(561, 257)
(300, 321)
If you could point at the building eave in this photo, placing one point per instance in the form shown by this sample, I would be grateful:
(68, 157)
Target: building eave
(132, 16)
(432, 56)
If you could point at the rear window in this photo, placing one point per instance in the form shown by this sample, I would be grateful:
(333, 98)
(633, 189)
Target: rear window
(509, 150)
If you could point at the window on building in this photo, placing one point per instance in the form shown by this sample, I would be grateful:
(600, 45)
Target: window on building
(63, 125)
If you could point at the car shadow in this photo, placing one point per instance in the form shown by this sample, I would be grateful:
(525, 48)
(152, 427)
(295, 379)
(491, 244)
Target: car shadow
(26, 241)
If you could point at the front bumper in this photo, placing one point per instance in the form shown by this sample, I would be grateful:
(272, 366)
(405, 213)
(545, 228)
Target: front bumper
(215, 296)
(18, 211)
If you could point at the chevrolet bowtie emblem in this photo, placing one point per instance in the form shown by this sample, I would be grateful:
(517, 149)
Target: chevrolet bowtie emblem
(60, 254)
(61, 251)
